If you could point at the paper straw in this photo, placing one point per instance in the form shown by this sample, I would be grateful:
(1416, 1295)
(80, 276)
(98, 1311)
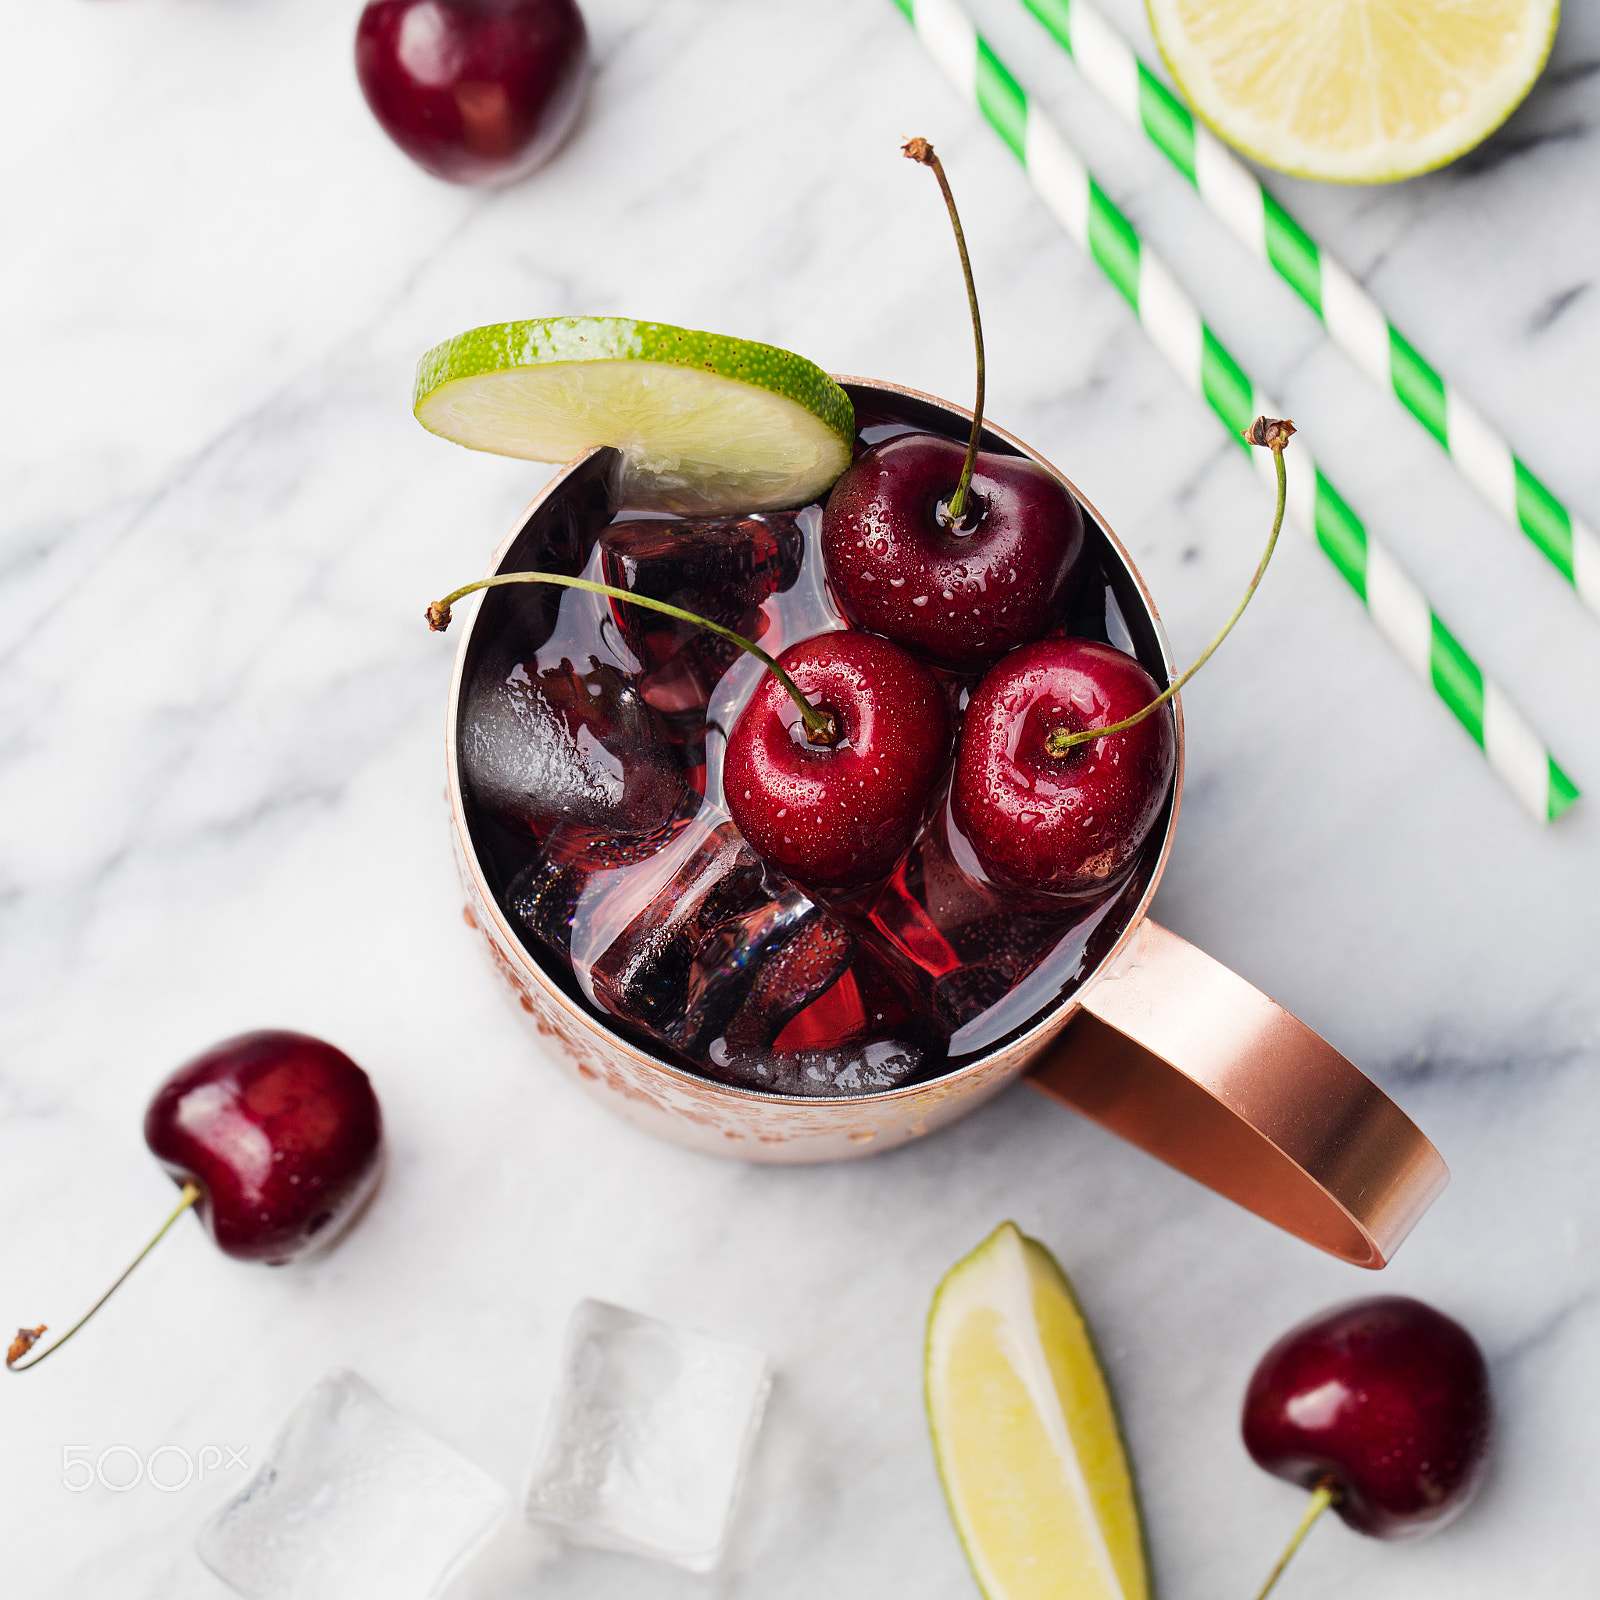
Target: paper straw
(1352, 317)
(1398, 607)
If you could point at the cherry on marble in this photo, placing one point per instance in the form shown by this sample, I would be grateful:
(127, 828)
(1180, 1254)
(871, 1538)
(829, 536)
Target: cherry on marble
(282, 1134)
(475, 91)
(1387, 1400)
(274, 1138)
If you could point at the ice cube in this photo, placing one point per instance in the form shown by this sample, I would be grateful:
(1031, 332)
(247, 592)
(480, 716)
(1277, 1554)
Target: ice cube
(853, 1035)
(846, 1069)
(647, 1439)
(718, 568)
(721, 959)
(356, 1502)
(546, 744)
(965, 942)
(677, 943)
(723, 569)
(563, 885)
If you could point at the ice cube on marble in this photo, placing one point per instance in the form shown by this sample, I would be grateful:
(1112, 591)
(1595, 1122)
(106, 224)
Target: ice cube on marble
(648, 1437)
(356, 1502)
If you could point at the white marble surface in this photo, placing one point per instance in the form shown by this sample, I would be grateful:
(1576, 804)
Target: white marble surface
(221, 768)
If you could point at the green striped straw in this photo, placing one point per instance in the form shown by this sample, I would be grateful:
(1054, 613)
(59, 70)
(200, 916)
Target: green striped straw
(1352, 317)
(1400, 610)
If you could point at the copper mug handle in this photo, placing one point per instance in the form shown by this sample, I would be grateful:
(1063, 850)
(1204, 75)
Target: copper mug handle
(1183, 1058)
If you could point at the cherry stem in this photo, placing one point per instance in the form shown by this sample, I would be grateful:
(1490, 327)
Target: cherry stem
(820, 727)
(1272, 435)
(1324, 1495)
(28, 1337)
(921, 150)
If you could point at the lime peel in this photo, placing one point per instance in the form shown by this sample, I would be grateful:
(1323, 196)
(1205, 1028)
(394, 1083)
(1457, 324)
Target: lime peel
(703, 423)
(1026, 1434)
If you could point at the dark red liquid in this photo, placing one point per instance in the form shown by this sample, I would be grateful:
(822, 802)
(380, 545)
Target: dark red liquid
(601, 829)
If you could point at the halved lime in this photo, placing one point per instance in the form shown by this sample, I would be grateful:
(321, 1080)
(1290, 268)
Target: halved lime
(704, 423)
(1353, 90)
(1026, 1434)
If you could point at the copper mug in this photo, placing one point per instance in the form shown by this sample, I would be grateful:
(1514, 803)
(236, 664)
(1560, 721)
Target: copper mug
(1158, 1042)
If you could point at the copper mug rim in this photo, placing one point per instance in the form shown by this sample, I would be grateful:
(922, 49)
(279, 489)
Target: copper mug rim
(1233, 1090)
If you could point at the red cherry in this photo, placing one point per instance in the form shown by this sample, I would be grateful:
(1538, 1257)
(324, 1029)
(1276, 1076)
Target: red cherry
(282, 1134)
(1386, 1397)
(1066, 825)
(275, 1139)
(838, 815)
(476, 91)
(962, 595)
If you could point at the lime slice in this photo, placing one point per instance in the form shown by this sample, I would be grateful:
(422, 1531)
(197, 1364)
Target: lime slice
(1359, 91)
(704, 423)
(1025, 1432)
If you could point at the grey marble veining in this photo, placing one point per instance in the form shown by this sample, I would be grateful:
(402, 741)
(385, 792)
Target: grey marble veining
(221, 728)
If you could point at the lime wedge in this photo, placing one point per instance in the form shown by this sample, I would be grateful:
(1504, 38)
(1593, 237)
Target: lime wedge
(1026, 1434)
(704, 423)
(1354, 90)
